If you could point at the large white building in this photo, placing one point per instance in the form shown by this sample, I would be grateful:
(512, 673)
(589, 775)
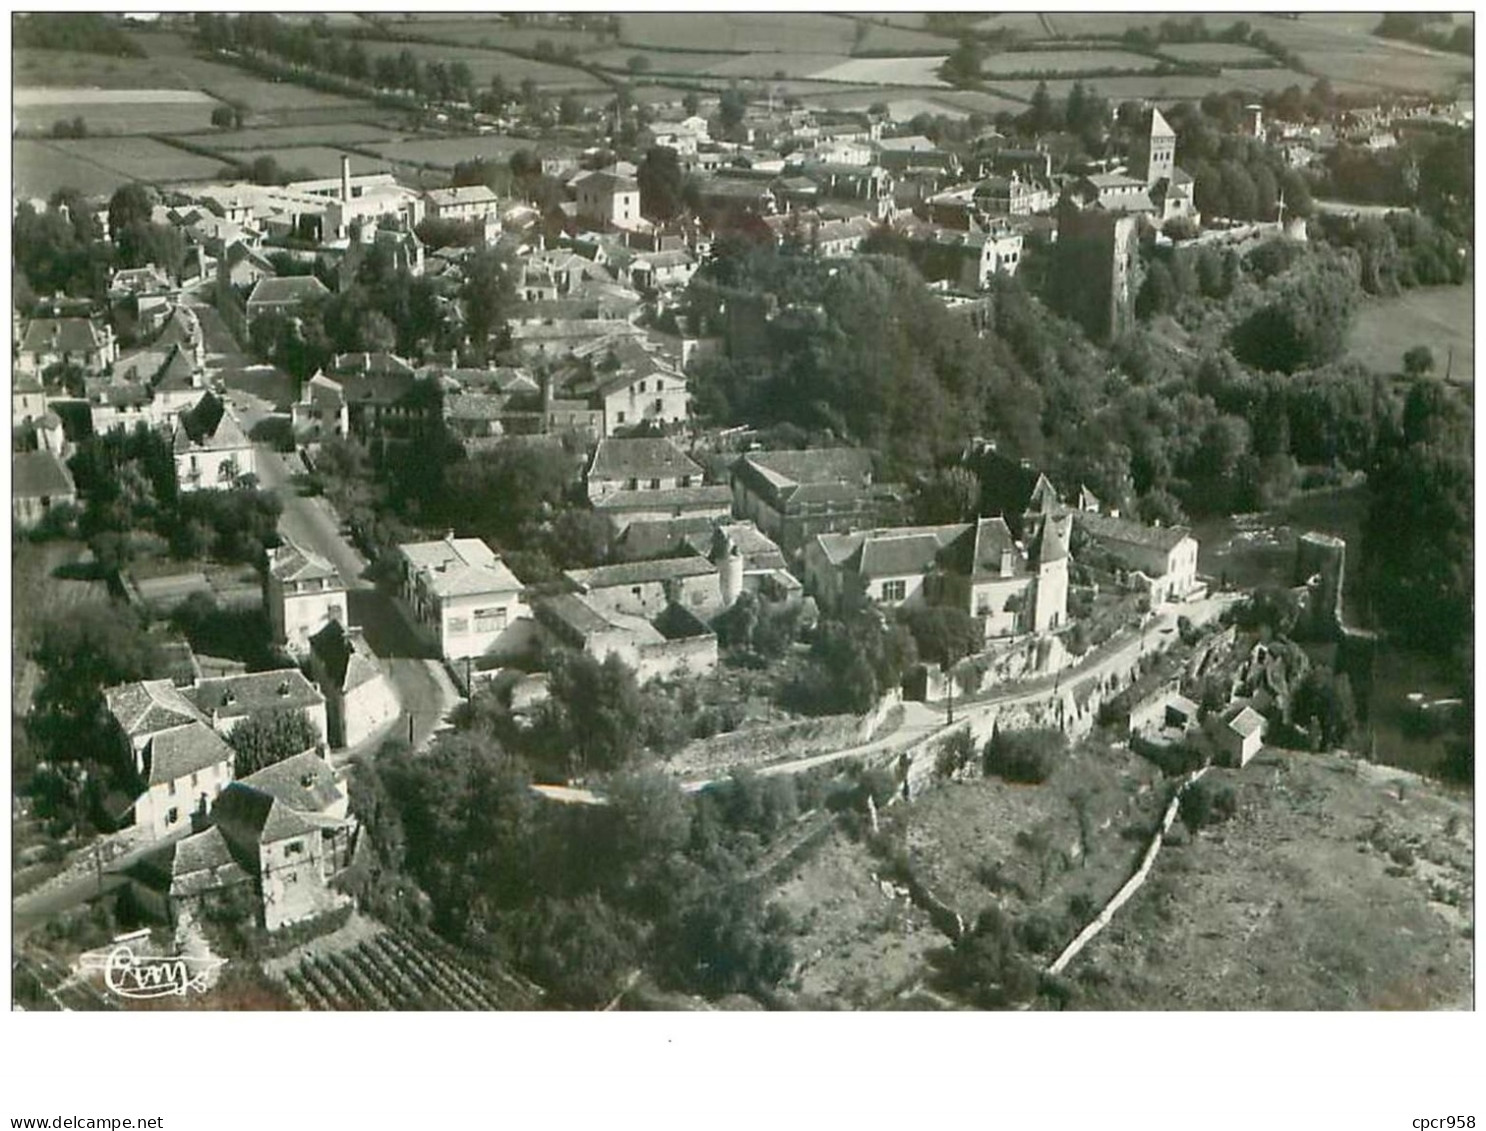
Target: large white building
(304, 594)
(463, 596)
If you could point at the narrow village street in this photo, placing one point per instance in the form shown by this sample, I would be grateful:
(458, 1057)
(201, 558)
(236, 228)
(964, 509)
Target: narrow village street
(424, 689)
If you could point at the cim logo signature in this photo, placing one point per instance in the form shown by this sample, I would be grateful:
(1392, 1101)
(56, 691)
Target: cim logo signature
(145, 976)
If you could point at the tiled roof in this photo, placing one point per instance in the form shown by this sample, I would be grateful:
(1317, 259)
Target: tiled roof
(304, 782)
(894, 553)
(291, 288)
(148, 706)
(455, 567)
(644, 458)
(228, 696)
(638, 573)
(34, 474)
(707, 496)
(291, 562)
(203, 862)
(1243, 720)
(61, 335)
(1050, 543)
(760, 552)
(250, 817)
(182, 750)
(474, 406)
(1105, 528)
(349, 663)
(786, 469)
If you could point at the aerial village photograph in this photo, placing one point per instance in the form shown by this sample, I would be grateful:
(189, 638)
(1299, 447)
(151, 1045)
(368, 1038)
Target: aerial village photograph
(726, 511)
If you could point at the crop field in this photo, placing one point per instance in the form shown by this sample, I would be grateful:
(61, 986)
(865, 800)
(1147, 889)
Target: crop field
(669, 62)
(806, 32)
(771, 65)
(140, 158)
(1029, 25)
(1392, 69)
(1171, 88)
(113, 111)
(272, 137)
(1438, 317)
(907, 70)
(1070, 62)
(34, 67)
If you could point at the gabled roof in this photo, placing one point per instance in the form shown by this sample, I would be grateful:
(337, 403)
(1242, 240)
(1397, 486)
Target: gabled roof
(61, 335)
(290, 288)
(978, 554)
(668, 498)
(759, 551)
(638, 573)
(208, 426)
(291, 562)
(37, 474)
(786, 471)
(202, 862)
(889, 553)
(348, 662)
(462, 194)
(1050, 542)
(1243, 720)
(148, 706)
(641, 458)
(229, 696)
(250, 817)
(172, 754)
(178, 372)
(304, 782)
(1106, 528)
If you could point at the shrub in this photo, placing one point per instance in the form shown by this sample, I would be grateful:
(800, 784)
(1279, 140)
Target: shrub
(1207, 803)
(1040, 932)
(1027, 756)
(955, 753)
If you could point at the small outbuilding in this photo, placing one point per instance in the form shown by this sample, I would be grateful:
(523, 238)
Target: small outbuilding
(1240, 734)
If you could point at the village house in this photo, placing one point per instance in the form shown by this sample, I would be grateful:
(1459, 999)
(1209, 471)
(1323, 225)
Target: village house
(1160, 560)
(321, 412)
(27, 399)
(143, 709)
(186, 768)
(645, 589)
(675, 642)
(640, 464)
(1010, 588)
(698, 503)
(359, 698)
(288, 828)
(226, 702)
(463, 597)
(464, 203)
(66, 341)
(888, 566)
(1239, 734)
(39, 481)
(748, 561)
(303, 593)
(607, 200)
(211, 449)
(794, 495)
(965, 261)
(283, 296)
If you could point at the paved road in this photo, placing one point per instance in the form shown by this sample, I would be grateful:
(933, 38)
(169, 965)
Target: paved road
(423, 687)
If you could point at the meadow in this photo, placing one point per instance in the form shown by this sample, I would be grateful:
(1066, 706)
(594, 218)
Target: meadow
(140, 158)
(316, 160)
(911, 70)
(1070, 62)
(1439, 317)
(804, 32)
(38, 169)
(36, 109)
(485, 63)
(275, 137)
(446, 152)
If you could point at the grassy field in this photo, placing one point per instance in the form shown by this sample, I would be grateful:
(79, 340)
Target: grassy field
(482, 31)
(807, 32)
(1337, 886)
(1071, 62)
(769, 65)
(40, 169)
(1438, 317)
(1172, 88)
(317, 160)
(140, 158)
(666, 62)
(485, 64)
(272, 137)
(113, 111)
(1213, 52)
(909, 70)
(446, 152)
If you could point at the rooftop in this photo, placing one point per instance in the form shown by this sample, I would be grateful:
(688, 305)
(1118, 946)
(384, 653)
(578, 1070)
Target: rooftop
(456, 567)
(233, 695)
(641, 458)
(173, 754)
(638, 573)
(290, 288)
(148, 706)
(37, 474)
(1106, 528)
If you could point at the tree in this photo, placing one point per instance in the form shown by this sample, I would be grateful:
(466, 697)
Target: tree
(950, 494)
(731, 107)
(1418, 361)
(1028, 756)
(660, 178)
(691, 102)
(944, 635)
(86, 648)
(596, 712)
(267, 737)
(226, 117)
(130, 204)
(488, 291)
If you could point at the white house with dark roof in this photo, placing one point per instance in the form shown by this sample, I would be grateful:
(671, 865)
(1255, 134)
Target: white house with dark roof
(1239, 734)
(464, 203)
(649, 463)
(359, 698)
(227, 701)
(646, 589)
(283, 295)
(888, 566)
(211, 449)
(608, 200)
(1160, 559)
(145, 708)
(463, 597)
(794, 495)
(288, 828)
(303, 593)
(39, 481)
(69, 341)
(186, 767)
(321, 412)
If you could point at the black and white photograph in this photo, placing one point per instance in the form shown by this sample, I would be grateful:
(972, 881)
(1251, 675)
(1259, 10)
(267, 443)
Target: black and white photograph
(742, 511)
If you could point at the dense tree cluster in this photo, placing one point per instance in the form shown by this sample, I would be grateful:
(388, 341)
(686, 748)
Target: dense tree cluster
(266, 738)
(90, 32)
(583, 898)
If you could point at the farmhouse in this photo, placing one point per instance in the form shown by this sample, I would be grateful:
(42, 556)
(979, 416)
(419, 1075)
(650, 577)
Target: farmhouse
(143, 709)
(211, 449)
(283, 295)
(1239, 734)
(227, 701)
(676, 642)
(608, 200)
(793, 496)
(889, 566)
